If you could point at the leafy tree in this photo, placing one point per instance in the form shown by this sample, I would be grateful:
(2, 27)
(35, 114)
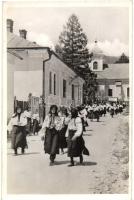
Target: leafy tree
(123, 59)
(72, 49)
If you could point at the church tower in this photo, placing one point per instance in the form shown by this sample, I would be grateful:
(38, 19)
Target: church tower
(97, 59)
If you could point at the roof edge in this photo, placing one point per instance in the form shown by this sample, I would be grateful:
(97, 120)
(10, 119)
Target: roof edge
(66, 64)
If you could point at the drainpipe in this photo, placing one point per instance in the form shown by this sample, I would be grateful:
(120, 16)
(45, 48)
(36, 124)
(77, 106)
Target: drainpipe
(43, 88)
(36, 48)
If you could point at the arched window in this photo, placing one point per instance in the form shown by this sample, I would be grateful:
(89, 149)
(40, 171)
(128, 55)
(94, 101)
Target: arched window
(95, 65)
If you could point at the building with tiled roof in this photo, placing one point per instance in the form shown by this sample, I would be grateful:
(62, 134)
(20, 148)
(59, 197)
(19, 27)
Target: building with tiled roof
(113, 81)
(36, 70)
(114, 71)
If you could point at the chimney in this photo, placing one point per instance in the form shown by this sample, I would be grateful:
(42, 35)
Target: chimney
(10, 25)
(23, 33)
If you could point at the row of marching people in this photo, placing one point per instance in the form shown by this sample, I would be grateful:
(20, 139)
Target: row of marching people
(115, 109)
(61, 129)
(33, 122)
(97, 110)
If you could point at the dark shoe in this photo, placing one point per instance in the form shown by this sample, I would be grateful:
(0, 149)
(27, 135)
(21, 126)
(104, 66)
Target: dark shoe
(22, 151)
(81, 159)
(51, 163)
(62, 152)
(71, 165)
(15, 152)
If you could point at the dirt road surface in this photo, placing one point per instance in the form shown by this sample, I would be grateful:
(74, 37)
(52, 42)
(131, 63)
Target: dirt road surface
(31, 173)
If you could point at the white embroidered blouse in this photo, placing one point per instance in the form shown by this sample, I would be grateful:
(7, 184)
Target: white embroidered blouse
(75, 124)
(50, 123)
(17, 122)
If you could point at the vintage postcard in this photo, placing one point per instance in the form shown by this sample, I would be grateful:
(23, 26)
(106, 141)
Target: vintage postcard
(67, 72)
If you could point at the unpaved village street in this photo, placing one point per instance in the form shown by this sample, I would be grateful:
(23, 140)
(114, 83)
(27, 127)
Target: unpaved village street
(104, 171)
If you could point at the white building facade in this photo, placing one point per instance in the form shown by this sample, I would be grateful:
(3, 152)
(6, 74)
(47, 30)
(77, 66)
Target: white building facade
(36, 70)
(113, 81)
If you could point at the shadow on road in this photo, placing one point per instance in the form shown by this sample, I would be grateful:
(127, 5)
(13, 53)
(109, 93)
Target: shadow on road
(87, 134)
(89, 130)
(19, 154)
(77, 164)
(62, 162)
(98, 121)
(89, 163)
(30, 153)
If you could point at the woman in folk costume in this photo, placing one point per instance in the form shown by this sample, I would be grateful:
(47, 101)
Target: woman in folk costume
(120, 108)
(51, 127)
(104, 109)
(111, 109)
(115, 109)
(101, 110)
(64, 120)
(90, 111)
(82, 113)
(17, 128)
(96, 112)
(28, 115)
(35, 119)
(74, 137)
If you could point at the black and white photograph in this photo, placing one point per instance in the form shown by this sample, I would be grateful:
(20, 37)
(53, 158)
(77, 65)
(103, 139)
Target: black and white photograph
(68, 99)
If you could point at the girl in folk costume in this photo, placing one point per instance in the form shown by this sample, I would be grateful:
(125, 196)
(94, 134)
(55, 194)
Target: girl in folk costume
(36, 120)
(51, 127)
(90, 112)
(74, 137)
(115, 109)
(111, 109)
(28, 115)
(104, 109)
(17, 128)
(64, 120)
(120, 108)
(82, 113)
(96, 112)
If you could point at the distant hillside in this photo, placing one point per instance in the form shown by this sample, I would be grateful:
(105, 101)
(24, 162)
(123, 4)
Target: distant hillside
(110, 59)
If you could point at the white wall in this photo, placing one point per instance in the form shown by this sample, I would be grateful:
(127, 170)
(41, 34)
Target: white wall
(10, 89)
(125, 86)
(100, 64)
(62, 72)
(26, 82)
(120, 92)
(102, 87)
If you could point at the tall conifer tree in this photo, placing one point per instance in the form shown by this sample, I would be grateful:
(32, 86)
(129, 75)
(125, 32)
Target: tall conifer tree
(72, 49)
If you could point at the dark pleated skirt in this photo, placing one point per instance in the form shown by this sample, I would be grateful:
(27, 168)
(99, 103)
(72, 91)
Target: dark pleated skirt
(96, 114)
(84, 124)
(120, 110)
(76, 147)
(35, 126)
(112, 111)
(62, 138)
(91, 116)
(104, 111)
(18, 138)
(51, 142)
(29, 125)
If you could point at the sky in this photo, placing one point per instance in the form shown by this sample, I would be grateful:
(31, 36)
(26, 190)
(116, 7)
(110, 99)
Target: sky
(108, 25)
